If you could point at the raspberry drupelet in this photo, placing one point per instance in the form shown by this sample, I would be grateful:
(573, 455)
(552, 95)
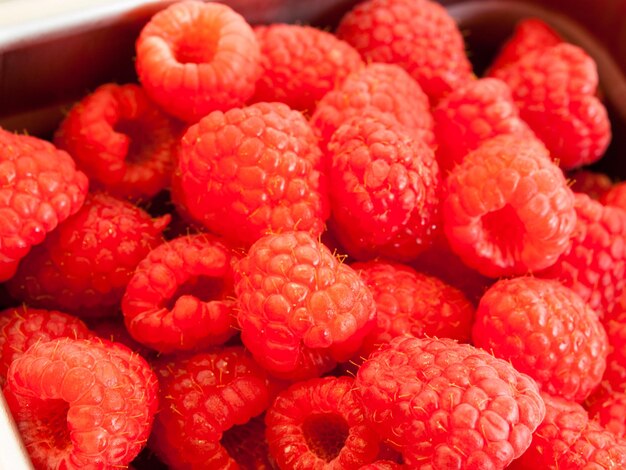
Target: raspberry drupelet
(301, 64)
(418, 35)
(83, 267)
(546, 331)
(447, 405)
(508, 209)
(384, 189)
(250, 171)
(122, 141)
(80, 404)
(40, 187)
(180, 296)
(195, 57)
(300, 308)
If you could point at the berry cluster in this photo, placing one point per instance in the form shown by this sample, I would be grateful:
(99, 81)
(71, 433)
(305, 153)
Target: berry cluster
(288, 248)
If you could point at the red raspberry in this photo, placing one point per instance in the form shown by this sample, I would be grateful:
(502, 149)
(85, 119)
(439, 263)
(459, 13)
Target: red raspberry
(39, 188)
(251, 171)
(180, 296)
(530, 34)
(297, 301)
(615, 374)
(449, 405)
(386, 88)
(202, 396)
(593, 184)
(594, 263)
(83, 267)
(195, 57)
(382, 465)
(554, 89)
(301, 64)
(320, 424)
(610, 412)
(471, 115)
(384, 189)
(418, 35)
(615, 196)
(21, 327)
(123, 142)
(596, 448)
(508, 208)
(411, 302)
(546, 331)
(82, 403)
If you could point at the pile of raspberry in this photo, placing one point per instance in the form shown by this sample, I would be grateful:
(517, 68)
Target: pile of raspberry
(290, 248)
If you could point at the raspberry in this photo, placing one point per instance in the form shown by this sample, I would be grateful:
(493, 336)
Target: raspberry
(39, 188)
(320, 424)
(615, 196)
(615, 374)
(594, 263)
(508, 208)
(251, 171)
(448, 405)
(382, 465)
(195, 57)
(83, 267)
(384, 189)
(546, 331)
(22, 327)
(297, 301)
(593, 184)
(123, 142)
(554, 89)
(471, 115)
(595, 448)
(418, 35)
(202, 396)
(301, 64)
(82, 403)
(386, 88)
(609, 411)
(530, 34)
(179, 297)
(411, 302)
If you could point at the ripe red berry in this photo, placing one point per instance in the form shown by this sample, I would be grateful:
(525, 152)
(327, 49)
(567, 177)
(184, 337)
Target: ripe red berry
(301, 64)
(554, 89)
(472, 114)
(610, 412)
(409, 302)
(320, 423)
(384, 189)
(21, 327)
(614, 378)
(250, 171)
(40, 187)
(615, 196)
(195, 57)
(122, 141)
(82, 403)
(83, 267)
(203, 396)
(180, 296)
(448, 405)
(546, 331)
(297, 302)
(418, 35)
(508, 209)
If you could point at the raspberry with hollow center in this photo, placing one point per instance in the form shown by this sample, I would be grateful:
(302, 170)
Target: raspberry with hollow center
(442, 404)
(40, 187)
(82, 403)
(508, 209)
(195, 57)
(320, 423)
(178, 297)
(418, 35)
(546, 331)
(296, 300)
(122, 141)
(251, 171)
